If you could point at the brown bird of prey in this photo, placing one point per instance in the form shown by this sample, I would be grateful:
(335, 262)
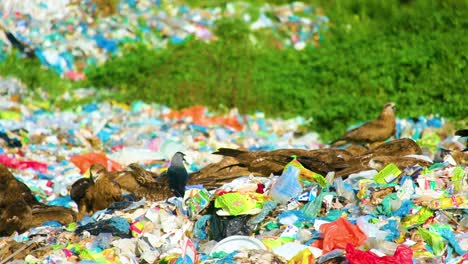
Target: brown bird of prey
(78, 192)
(20, 210)
(133, 177)
(395, 150)
(216, 174)
(236, 163)
(398, 147)
(460, 155)
(168, 184)
(377, 130)
(96, 193)
(11, 190)
(142, 183)
(267, 162)
(19, 216)
(356, 150)
(15, 217)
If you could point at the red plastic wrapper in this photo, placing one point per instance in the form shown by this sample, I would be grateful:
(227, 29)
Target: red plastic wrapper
(403, 255)
(22, 164)
(84, 161)
(339, 234)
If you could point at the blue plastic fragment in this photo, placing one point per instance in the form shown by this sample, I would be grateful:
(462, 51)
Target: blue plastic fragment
(52, 224)
(61, 201)
(404, 209)
(392, 227)
(199, 229)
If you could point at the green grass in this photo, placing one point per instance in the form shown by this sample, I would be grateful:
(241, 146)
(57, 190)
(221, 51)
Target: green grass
(34, 76)
(415, 54)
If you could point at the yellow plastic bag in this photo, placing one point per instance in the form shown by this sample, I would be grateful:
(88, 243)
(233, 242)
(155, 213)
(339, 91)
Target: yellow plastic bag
(303, 257)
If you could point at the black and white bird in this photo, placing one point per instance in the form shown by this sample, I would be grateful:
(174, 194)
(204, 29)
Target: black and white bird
(177, 174)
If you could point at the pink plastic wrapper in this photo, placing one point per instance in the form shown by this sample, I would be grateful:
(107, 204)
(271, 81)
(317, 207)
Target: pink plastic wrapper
(22, 164)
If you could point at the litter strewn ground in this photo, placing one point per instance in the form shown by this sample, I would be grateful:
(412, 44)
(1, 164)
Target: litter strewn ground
(384, 215)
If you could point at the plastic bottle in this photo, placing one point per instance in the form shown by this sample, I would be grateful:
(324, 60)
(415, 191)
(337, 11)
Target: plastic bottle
(287, 186)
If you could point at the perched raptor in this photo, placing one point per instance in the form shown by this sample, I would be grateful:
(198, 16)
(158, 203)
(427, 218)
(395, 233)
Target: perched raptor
(96, 193)
(19, 216)
(267, 162)
(133, 178)
(397, 147)
(216, 174)
(14, 217)
(11, 190)
(20, 210)
(78, 192)
(236, 163)
(394, 151)
(376, 130)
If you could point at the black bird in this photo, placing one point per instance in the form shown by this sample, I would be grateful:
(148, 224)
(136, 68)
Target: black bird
(23, 48)
(177, 174)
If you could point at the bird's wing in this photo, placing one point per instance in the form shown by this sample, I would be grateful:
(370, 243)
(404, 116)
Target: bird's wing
(141, 175)
(397, 147)
(127, 182)
(368, 132)
(52, 213)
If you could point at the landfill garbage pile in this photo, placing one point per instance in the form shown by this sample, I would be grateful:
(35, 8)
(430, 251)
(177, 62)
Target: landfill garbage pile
(390, 213)
(69, 36)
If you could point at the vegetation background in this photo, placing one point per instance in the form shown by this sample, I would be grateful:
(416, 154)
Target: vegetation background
(412, 52)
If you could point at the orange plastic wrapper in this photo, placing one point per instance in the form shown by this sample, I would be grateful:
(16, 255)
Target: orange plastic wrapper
(403, 255)
(339, 234)
(84, 161)
(195, 112)
(198, 115)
